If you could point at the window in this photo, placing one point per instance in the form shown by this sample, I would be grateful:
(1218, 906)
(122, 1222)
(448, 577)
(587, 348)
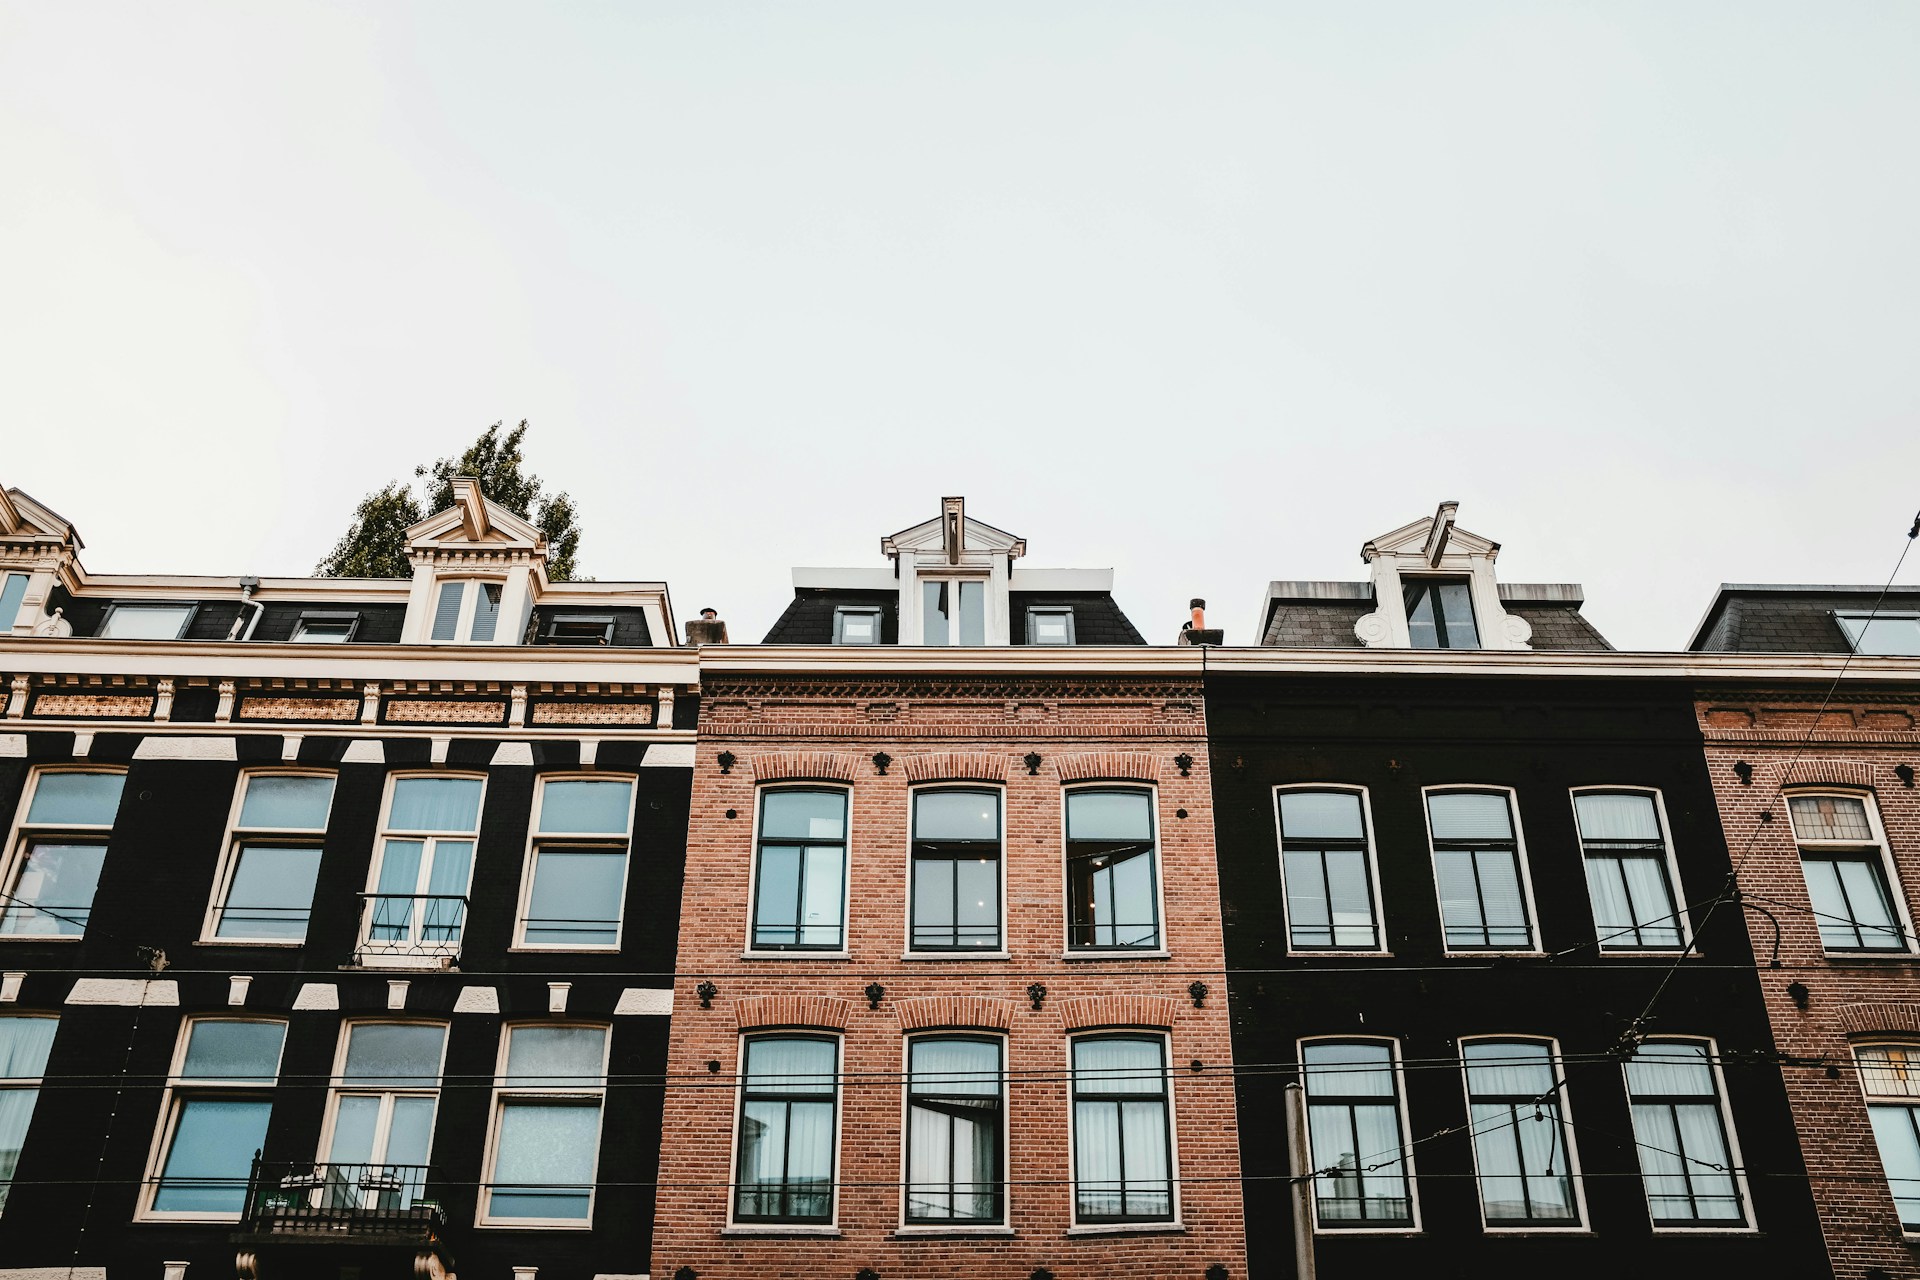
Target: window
(1122, 1130)
(1050, 624)
(579, 628)
(1440, 614)
(1354, 1127)
(955, 1143)
(1522, 1144)
(1476, 863)
(1112, 884)
(326, 628)
(218, 1099)
(57, 858)
(577, 880)
(1889, 635)
(386, 1086)
(956, 870)
(145, 621)
(1327, 867)
(1890, 1078)
(419, 902)
(788, 1098)
(273, 858)
(1841, 856)
(466, 610)
(856, 625)
(1629, 871)
(1686, 1159)
(800, 890)
(953, 611)
(545, 1145)
(13, 590)
(24, 1043)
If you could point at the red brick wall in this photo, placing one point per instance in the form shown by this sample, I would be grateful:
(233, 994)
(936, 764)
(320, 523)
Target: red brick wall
(1855, 746)
(942, 729)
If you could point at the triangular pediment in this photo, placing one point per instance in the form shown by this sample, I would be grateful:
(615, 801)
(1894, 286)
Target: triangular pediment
(23, 516)
(475, 520)
(976, 535)
(1413, 539)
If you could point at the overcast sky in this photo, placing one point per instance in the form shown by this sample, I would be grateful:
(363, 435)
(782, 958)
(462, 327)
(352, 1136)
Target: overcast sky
(1208, 293)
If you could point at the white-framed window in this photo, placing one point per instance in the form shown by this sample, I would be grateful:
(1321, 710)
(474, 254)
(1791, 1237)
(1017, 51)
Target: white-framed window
(786, 1144)
(1050, 624)
(264, 889)
(1123, 1155)
(466, 609)
(1440, 613)
(800, 870)
(1882, 634)
(543, 1146)
(13, 591)
(953, 611)
(1327, 868)
(1480, 870)
(1688, 1160)
(1890, 1080)
(579, 629)
(956, 1142)
(1113, 873)
(417, 905)
(1357, 1127)
(1522, 1141)
(219, 1098)
(59, 845)
(145, 621)
(1631, 872)
(380, 1110)
(856, 624)
(25, 1041)
(578, 853)
(326, 627)
(1850, 883)
(956, 873)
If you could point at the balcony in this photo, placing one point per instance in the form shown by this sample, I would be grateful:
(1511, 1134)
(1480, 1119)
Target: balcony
(366, 1206)
(410, 931)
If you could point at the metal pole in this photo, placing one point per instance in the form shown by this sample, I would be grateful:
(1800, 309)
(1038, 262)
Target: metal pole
(1300, 1163)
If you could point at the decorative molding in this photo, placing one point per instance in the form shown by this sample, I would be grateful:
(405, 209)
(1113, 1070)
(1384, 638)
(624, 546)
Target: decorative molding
(78, 706)
(579, 711)
(826, 1012)
(224, 711)
(781, 766)
(13, 744)
(477, 1000)
(1126, 766)
(654, 1002)
(1086, 1012)
(445, 711)
(517, 704)
(1372, 630)
(339, 710)
(1519, 632)
(131, 992)
(514, 753)
(317, 995)
(955, 766)
(17, 701)
(669, 755)
(179, 747)
(370, 703)
(984, 1012)
(364, 751)
(163, 699)
(1879, 1017)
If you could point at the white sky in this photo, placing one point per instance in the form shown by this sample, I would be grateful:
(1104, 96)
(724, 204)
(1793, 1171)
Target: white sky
(1209, 293)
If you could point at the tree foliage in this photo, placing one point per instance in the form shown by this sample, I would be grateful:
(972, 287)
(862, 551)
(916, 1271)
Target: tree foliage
(375, 544)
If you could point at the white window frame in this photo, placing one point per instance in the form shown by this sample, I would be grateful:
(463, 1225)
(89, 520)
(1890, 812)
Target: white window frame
(536, 840)
(1674, 887)
(22, 834)
(130, 606)
(1582, 1224)
(469, 604)
(1177, 1222)
(237, 836)
(418, 948)
(752, 950)
(1895, 890)
(13, 1083)
(179, 1089)
(1427, 582)
(953, 576)
(958, 1226)
(754, 1226)
(1398, 1069)
(1536, 943)
(1907, 1102)
(338, 1085)
(1373, 871)
(907, 951)
(349, 616)
(1067, 950)
(1739, 1170)
(7, 619)
(503, 1092)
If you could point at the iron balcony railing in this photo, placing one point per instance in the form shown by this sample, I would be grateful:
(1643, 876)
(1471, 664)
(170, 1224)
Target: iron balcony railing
(351, 1203)
(411, 927)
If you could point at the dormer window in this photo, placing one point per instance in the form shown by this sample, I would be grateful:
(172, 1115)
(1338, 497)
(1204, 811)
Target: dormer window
(145, 621)
(953, 612)
(467, 609)
(579, 628)
(856, 624)
(1885, 635)
(1440, 614)
(325, 628)
(1050, 624)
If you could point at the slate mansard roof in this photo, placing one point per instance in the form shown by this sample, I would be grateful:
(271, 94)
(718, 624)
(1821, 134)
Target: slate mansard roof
(1758, 618)
(1321, 615)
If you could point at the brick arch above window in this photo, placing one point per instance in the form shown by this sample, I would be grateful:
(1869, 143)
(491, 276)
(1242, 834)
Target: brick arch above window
(1107, 766)
(983, 1012)
(805, 766)
(1088, 1012)
(1879, 1018)
(955, 766)
(1828, 773)
(824, 1012)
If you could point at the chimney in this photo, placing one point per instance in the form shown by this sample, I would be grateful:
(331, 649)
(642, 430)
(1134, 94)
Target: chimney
(707, 629)
(1195, 631)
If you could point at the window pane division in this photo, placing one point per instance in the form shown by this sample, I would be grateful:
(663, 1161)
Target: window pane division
(275, 858)
(384, 1101)
(578, 885)
(1476, 862)
(788, 1100)
(62, 848)
(1440, 614)
(956, 870)
(1521, 1142)
(1890, 1079)
(1325, 863)
(799, 897)
(1840, 857)
(1685, 1158)
(954, 1126)
(419, 901)
(217, 1117)
(1122, 1130)
(1627, 871)
(547, 1124)
(1112, 880)
(953, 611)
(1353, 1123)
(24, 1045)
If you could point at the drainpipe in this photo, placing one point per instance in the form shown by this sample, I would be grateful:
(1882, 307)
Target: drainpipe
(247, 587)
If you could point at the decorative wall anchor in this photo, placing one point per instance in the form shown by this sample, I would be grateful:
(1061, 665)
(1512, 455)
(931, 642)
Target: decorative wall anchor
(1037, 992)
(706, 991)
(1198, 990)
(1744, 772)
(1185, 762)
(875, 993)
(866, 1273)
(686, 1273)
(1032, 761)
(726, 760)
(1216, 1272)
(1041, 1273)
(880, 762)
(713, 1066)
(1798, 993)
(1904, 772)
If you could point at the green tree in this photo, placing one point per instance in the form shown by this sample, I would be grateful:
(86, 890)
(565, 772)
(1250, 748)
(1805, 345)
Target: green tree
(375, 545)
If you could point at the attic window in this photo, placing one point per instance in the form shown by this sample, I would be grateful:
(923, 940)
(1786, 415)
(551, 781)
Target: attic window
(1884, 635)
(1050, 624)
(579, 628)
(460, 613)
(1440, 614)
(325, 628)
(856, 624)
(954, 611)
(146, 621)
